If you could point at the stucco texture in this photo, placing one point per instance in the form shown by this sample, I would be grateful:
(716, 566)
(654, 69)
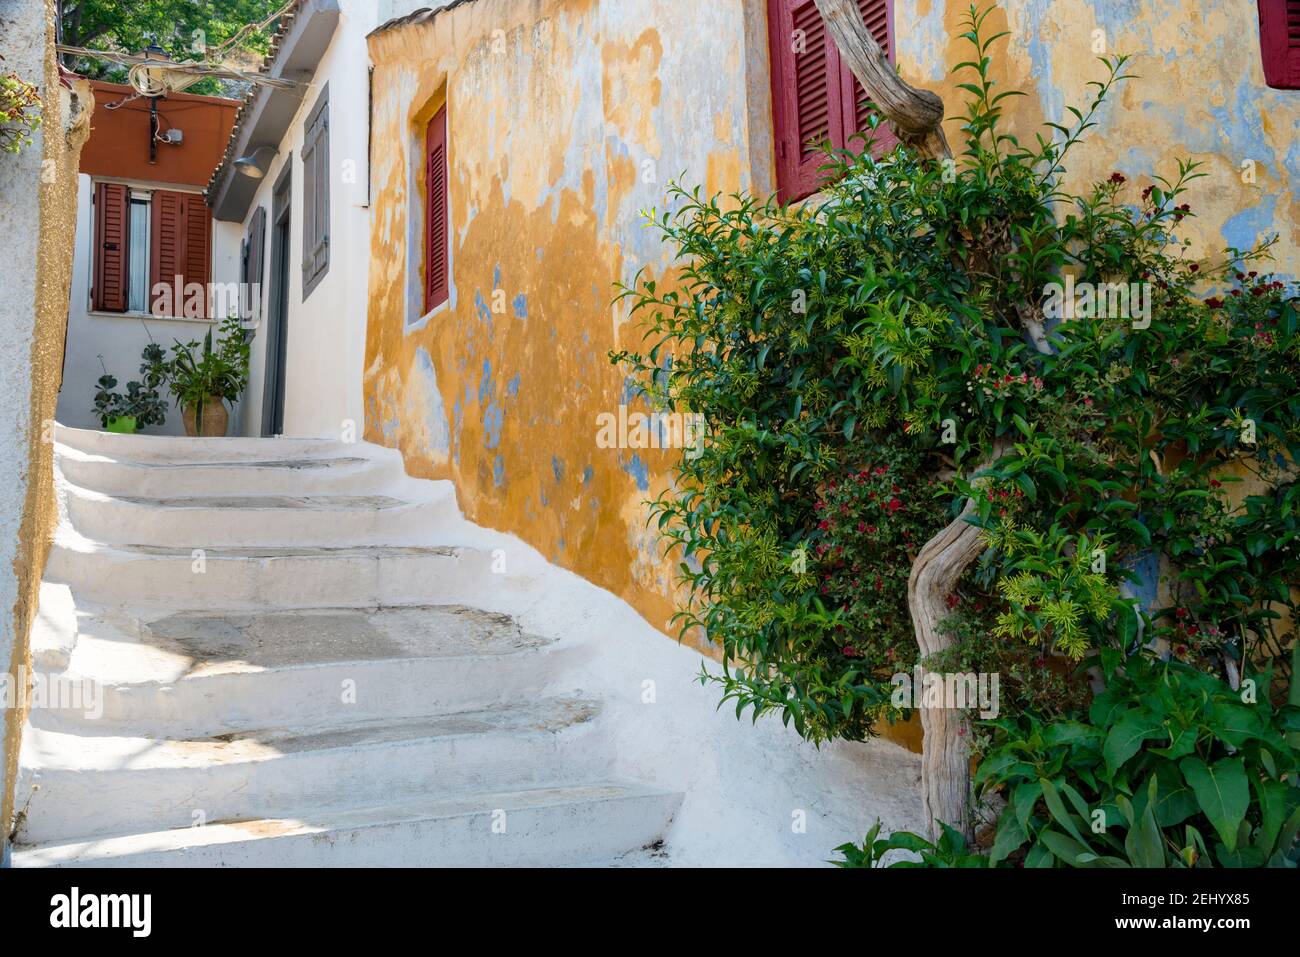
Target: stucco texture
(34, 317)
(567, 117)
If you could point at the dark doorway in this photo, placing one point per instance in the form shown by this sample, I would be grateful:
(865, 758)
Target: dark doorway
(277, 328)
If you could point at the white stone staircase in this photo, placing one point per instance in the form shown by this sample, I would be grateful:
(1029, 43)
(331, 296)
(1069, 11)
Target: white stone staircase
(299, 656)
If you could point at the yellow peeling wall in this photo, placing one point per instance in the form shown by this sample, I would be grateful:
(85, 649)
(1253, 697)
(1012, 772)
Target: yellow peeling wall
(567, 117)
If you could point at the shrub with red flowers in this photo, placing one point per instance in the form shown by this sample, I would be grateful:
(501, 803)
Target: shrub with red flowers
(871, 523)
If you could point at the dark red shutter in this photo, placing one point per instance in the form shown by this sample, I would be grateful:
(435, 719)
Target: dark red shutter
(436, 267)
(181, 244)
(879, 17)
(1279, 35)
(112, 229)
(806, 95)
(198, 239)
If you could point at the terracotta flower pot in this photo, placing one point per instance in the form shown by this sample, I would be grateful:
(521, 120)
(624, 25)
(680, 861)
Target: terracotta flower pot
(215, 418)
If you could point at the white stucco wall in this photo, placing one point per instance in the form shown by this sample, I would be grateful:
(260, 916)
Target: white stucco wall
(326, 335)
(120, 338)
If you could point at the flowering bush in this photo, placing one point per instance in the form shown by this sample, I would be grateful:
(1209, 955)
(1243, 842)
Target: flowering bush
(897, 316)
(871, 524)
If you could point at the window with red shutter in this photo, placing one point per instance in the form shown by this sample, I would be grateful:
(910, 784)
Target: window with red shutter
(112, 211)
(815, 98)
(1279, 36)
(437, 279)
(181, 246)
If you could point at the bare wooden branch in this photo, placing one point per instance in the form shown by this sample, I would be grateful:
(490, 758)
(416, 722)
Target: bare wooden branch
(917, 115)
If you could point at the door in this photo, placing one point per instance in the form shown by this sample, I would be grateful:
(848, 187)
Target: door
(277, 328)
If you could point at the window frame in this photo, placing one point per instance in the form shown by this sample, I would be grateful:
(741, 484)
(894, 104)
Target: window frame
(139, 192)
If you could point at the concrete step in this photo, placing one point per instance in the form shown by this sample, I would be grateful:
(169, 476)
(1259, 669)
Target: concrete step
(260, 520)
(238, 579)
(531, 828)
(136, 784)
(302, 476)
(166, 449)
(196, 674)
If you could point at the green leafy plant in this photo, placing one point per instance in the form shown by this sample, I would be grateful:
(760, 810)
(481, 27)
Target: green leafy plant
(1169, 768)
(950, 850)
(197, 373)
(20, 112)
(141, 400)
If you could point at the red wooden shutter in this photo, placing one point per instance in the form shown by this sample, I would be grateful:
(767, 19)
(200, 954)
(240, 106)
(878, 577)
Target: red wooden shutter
(1279, 35)
(181, 245)
(112, 231)
(806, 95)
(198, 243)
(436, 267)
(879, 17)
(168, 237)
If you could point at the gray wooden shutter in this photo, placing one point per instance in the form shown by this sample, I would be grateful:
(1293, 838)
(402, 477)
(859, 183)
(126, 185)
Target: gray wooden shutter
(316, 196)
(253, 267)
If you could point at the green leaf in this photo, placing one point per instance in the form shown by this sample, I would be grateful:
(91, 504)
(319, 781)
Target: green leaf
(1223, 793)
(1126, 737)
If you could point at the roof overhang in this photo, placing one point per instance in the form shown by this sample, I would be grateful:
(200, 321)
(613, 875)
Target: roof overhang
(264, 118)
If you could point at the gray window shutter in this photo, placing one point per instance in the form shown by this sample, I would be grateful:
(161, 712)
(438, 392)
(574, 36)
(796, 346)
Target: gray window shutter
(254, 258)
(316, 196)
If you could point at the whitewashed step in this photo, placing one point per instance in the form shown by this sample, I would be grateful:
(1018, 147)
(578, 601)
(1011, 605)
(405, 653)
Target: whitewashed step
(204, 673)
(531, 828)
(304, 476)
(285, 578)
(259, 520)
(140, 784)
(182, 449)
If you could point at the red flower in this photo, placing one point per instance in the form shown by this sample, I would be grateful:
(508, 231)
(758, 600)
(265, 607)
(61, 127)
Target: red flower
(1119, 179)
(953, 601)
(895, 504)
(824, 526)
(1214, 302)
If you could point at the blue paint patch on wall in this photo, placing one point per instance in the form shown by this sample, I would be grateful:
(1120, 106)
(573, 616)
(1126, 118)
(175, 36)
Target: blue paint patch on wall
(435, 415)
(521, 306)
(512, 387)
(636, 467)
(557, 469)
(587, 475)
(1250, 225)
(499, 472)
(493, 420)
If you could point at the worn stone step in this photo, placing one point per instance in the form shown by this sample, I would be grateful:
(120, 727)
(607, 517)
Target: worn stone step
(136, 784)
(253, 520)
(530, 828)
(204, 673)
(180, 449)
(302, 476)
(285, 578)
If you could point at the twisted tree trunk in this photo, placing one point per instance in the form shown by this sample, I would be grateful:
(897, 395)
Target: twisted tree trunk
(917, 116)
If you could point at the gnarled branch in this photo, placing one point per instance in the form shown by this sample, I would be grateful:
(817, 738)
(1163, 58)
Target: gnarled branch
(917, 115)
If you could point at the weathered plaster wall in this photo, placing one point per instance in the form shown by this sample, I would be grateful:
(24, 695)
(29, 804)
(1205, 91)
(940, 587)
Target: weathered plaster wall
(1201, 96)
(566, 119)
(553, 121)
(38, 208)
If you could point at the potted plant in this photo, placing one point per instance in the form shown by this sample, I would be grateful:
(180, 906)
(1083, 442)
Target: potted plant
(203, 377)
(140, 407)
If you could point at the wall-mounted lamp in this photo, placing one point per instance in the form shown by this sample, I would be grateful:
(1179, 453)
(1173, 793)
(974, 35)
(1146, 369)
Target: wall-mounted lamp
(256, 163)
